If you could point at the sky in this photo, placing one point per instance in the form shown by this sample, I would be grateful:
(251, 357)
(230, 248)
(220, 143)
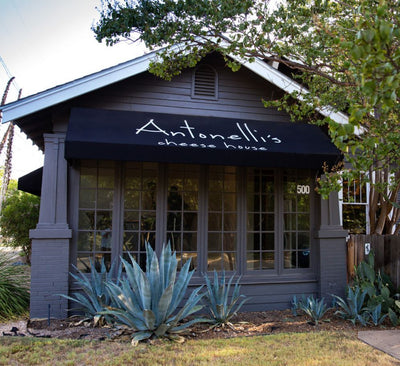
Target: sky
(45, 43)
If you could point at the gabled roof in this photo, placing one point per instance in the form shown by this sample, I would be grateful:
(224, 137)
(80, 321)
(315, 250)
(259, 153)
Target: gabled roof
(40, 101)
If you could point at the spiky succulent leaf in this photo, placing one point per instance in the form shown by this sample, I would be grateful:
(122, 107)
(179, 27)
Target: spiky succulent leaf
(146, 301)
(220, 305)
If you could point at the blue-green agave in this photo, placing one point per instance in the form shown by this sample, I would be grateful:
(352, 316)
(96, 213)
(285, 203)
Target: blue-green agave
(148, 302)
(351, 308)
(95, 297)
(219, 304)
(314, 308)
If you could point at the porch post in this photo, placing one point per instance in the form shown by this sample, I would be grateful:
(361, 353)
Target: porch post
(51, 238)
(332, 249)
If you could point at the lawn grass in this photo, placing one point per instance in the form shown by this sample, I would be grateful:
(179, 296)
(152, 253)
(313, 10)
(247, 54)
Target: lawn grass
(319, 348)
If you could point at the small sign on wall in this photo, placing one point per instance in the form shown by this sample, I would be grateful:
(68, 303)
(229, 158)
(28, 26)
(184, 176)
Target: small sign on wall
(367, 248)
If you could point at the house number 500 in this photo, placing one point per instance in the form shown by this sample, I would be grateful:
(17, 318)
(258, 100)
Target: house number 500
(303, 189)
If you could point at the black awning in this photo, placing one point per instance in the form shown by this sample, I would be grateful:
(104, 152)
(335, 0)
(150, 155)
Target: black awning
(31, 182)
(143, 136)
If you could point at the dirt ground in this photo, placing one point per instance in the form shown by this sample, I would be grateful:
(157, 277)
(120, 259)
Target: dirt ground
(244, 324)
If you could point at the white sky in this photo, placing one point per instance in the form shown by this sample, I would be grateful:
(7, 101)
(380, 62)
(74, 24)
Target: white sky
(45, 43)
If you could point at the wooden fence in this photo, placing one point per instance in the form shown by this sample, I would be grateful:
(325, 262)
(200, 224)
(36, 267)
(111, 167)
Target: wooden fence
(386, 249)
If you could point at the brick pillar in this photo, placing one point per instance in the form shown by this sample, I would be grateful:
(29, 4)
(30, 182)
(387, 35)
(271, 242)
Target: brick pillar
(332, 249)
(51, 238)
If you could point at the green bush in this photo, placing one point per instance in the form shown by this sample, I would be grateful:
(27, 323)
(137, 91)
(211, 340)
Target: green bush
(20, 213)
(370, 297)
(95, 297)
(148, 301)
(14, 292)
(314, 308)
(152, 303)
(217, 302)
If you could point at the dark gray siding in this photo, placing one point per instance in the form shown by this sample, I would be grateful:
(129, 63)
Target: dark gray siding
(240, 96)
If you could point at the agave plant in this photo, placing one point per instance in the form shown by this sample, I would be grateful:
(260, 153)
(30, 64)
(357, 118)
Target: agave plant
(376, 316)
(352, 306)
(217, 301)
(14, 293)
(148, 302)
(95, 297)
(314, 308)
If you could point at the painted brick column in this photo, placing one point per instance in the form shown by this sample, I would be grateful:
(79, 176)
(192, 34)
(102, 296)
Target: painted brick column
(332, 249)
(51, 238)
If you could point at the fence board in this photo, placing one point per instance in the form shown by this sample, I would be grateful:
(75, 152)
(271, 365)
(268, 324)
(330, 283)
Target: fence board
(387, 254)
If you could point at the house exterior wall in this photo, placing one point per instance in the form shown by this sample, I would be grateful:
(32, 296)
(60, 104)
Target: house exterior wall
(54, 245)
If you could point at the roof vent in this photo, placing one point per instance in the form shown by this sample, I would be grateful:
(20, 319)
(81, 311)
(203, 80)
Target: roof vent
(205, 83)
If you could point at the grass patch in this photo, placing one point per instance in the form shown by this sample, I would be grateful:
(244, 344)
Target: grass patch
(319, 348)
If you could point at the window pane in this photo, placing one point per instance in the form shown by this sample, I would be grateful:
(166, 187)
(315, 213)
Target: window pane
(253, 241)
(230, 202)
(105, 198)
(230, 222)
(131, 241)
(215, 221)
(189, 242)
(268, 260)
(131, 220)
(106, 178)
(174, 221)
(214, 201)
(148, 221)
(88, 178)
(190, 221)
(268, 242)
(354, 218)
(253, 260)
(87, 198)
(85, 241)
(214, 242)
(304, 240)
(132, 200)
(86, 220)
(303, 222)
(191, 201)
(103, 220)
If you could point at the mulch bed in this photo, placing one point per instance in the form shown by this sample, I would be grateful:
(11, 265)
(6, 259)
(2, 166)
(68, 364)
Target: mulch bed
(243, 325)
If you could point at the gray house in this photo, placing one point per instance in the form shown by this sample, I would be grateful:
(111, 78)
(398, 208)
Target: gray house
(197, 161)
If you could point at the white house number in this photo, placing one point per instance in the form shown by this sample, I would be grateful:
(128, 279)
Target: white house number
(303, 189)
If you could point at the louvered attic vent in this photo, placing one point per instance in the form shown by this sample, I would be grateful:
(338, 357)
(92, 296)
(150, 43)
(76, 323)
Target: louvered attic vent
(205, 83)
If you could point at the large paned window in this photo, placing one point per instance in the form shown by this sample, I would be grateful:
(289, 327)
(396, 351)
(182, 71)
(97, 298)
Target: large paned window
(296, 217)
(95, 216)
(354, 206)
(247, 220)
(222, 219)
(260, 247)
(182, 211)
(139, 209)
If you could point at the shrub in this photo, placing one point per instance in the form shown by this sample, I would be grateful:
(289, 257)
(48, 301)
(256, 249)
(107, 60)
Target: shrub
(95, 297)
(217, 301)
(14, 293)
(370, 296)
(378, 286)
(148, 302)
(314, 308)
(20, 212)
(351, 308)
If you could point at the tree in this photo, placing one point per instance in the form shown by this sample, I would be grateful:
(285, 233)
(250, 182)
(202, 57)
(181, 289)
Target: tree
(346, 54)
(19, 214)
